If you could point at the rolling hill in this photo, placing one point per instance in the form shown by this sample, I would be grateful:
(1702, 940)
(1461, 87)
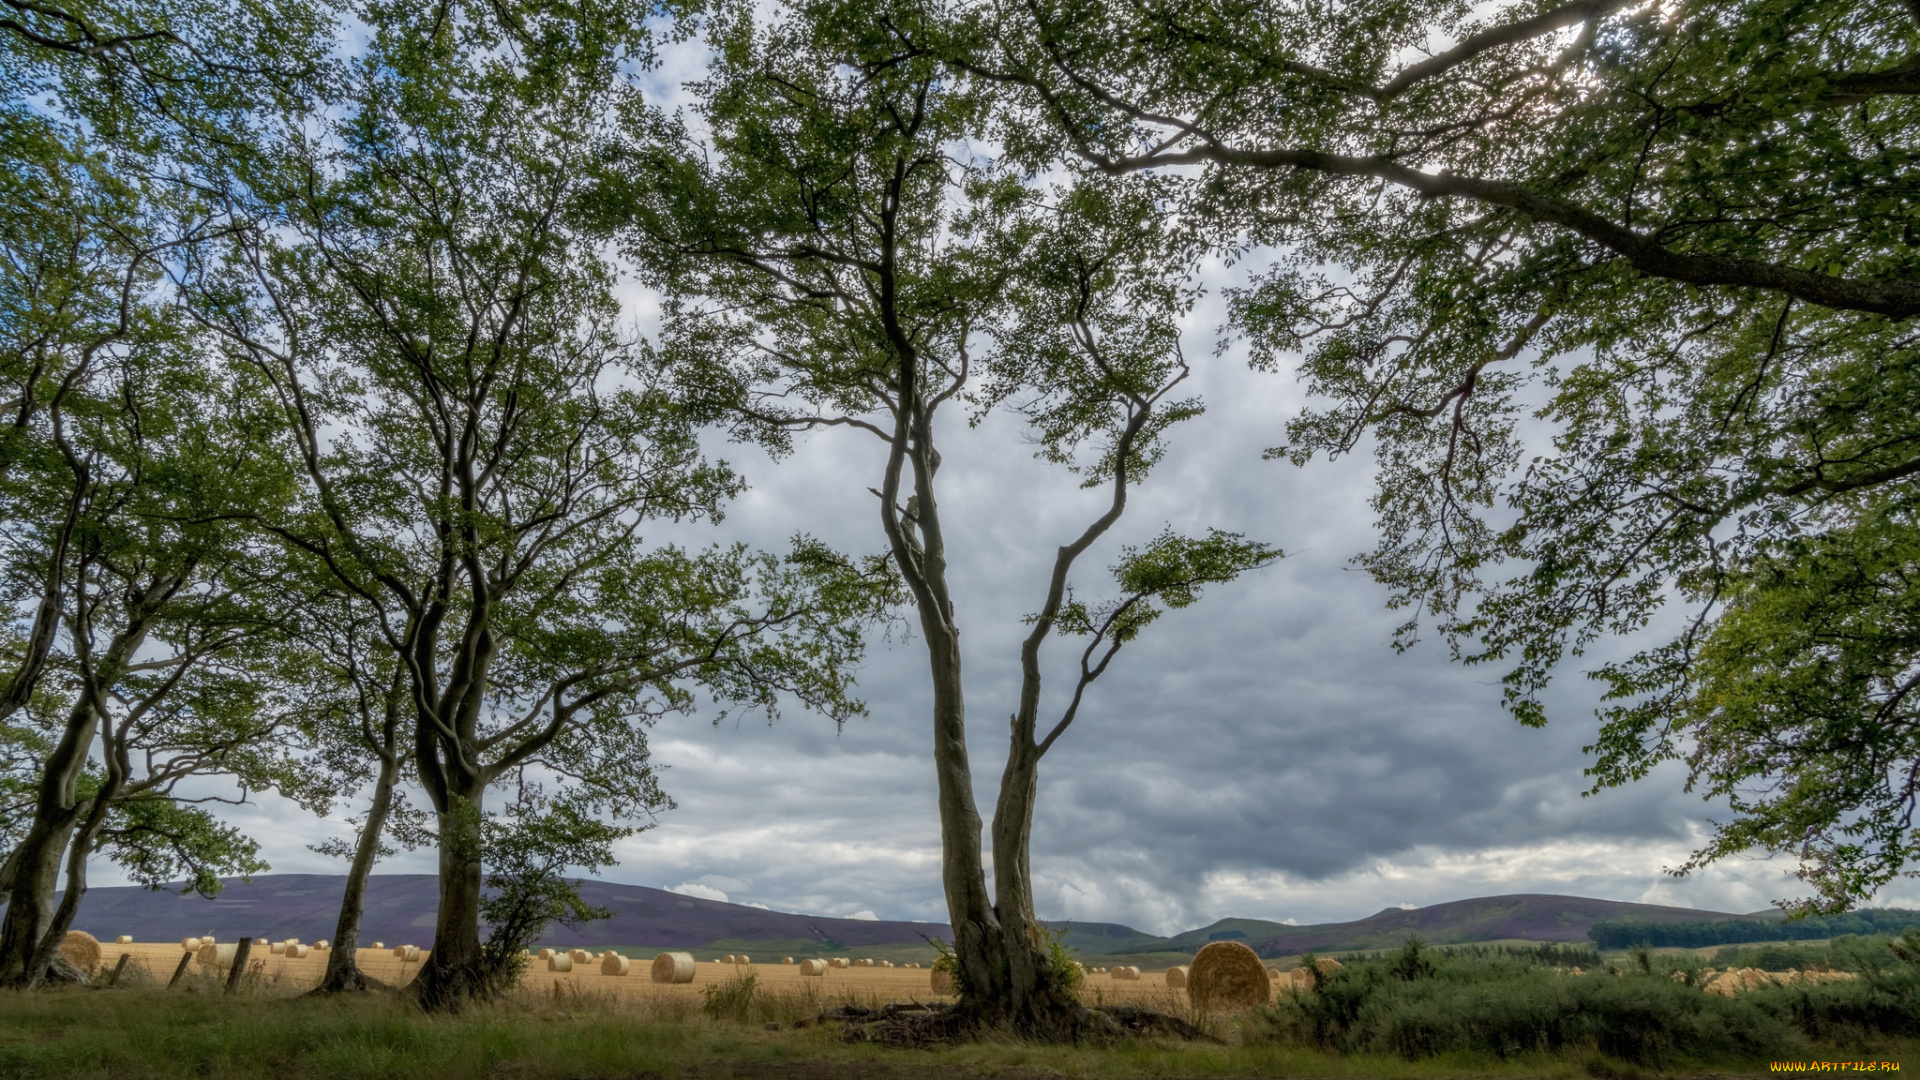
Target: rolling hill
(1525, 916)
(400, 908)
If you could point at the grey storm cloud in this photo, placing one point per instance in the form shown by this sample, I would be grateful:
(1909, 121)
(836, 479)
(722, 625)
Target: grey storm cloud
(1263, 754)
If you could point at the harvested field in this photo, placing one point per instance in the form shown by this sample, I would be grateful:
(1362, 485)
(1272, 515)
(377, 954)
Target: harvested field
(294, 974)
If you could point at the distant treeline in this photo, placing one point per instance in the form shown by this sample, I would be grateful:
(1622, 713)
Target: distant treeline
(1626, 933)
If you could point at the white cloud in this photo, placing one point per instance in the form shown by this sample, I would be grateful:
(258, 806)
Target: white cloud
(866, 916)
(695, 889)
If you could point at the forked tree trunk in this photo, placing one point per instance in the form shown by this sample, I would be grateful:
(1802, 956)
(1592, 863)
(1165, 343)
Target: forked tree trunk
(30, 903)
(36, 875)
(79, 850)
(1037, 1000)
(456, 970)
(976, 926)
(343, 969)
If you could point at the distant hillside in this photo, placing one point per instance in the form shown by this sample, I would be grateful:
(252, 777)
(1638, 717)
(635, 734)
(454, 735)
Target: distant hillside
(400, 908)
(1700, 933)
(1490, 918)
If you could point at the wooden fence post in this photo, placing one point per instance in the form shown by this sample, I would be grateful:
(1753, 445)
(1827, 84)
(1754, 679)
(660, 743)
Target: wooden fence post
(239, 968)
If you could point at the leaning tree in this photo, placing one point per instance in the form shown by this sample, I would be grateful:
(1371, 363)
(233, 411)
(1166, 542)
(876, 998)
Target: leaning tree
(1625, 294)
(483, 449)
(830, 259)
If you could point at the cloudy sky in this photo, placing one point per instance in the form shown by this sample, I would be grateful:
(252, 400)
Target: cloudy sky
(1264, 754)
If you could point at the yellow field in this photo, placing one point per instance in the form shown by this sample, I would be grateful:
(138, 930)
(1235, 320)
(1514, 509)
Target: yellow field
(155, 963)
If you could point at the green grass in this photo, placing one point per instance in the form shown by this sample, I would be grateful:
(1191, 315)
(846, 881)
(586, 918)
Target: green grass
(153, 1035)
(1480, 1012)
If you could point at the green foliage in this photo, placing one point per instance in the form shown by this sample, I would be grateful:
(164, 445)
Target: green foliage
(1167, 573)
(1621, 297)
(1063, 959)
(1413, 961)
(732, 999)
(158, 841)
(1696, 934)
(1505, 1003)
(527, 851)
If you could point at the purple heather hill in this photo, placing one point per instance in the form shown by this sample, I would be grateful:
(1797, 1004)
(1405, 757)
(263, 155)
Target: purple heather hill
(401, 907)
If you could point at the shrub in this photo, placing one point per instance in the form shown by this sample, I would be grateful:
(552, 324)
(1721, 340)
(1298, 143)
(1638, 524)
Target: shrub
(1420, 1002)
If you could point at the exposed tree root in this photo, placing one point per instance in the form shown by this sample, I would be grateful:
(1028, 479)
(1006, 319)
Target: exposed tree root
(350, 981)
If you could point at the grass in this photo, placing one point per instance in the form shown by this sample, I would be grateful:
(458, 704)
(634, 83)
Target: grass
(1441, 1014)
(151, 1035)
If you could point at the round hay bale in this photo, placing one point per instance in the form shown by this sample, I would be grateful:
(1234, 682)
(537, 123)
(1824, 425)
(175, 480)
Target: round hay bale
(297, 951)
(545, 953)
(1226, 975)
(786, 959)
(886, 963)
(914, 967)
(613, 964)
(123, 939)
(742, 959)
(673, 967)
(868, 962)
(560, 962)
(323, 945)
(1328, 966)
(813, 967)
(277, 948)
(379, 944)
(80, 949)
(729, 958)
(214, 955)
(840, 962)
(1177, 977)
(581, 956)
(942, 982)
(1129, 973)
(191, 944)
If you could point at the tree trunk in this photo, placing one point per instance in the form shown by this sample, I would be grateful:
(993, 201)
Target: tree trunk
(456, 969)
(36, 877)
(30, 906)
(976, 927)
(79, 850)
(343, 969)
(1038, 1001)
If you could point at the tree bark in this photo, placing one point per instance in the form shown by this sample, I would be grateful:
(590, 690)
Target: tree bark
(456, 969)
(79, 850)
(976, 926)
(343, 969)
(30, 907)
(1036, 998)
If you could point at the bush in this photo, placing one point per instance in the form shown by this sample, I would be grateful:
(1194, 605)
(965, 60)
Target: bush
(731, 1000)
(1421, 1002)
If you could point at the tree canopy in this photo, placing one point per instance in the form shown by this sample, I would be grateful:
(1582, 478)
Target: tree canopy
(1621, 298)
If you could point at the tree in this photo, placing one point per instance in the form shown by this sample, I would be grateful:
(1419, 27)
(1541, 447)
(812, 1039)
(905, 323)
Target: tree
(482, 447)
(112, 119)
(359, 734)
(830, 262)
(167, 609)
(1624, 294)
